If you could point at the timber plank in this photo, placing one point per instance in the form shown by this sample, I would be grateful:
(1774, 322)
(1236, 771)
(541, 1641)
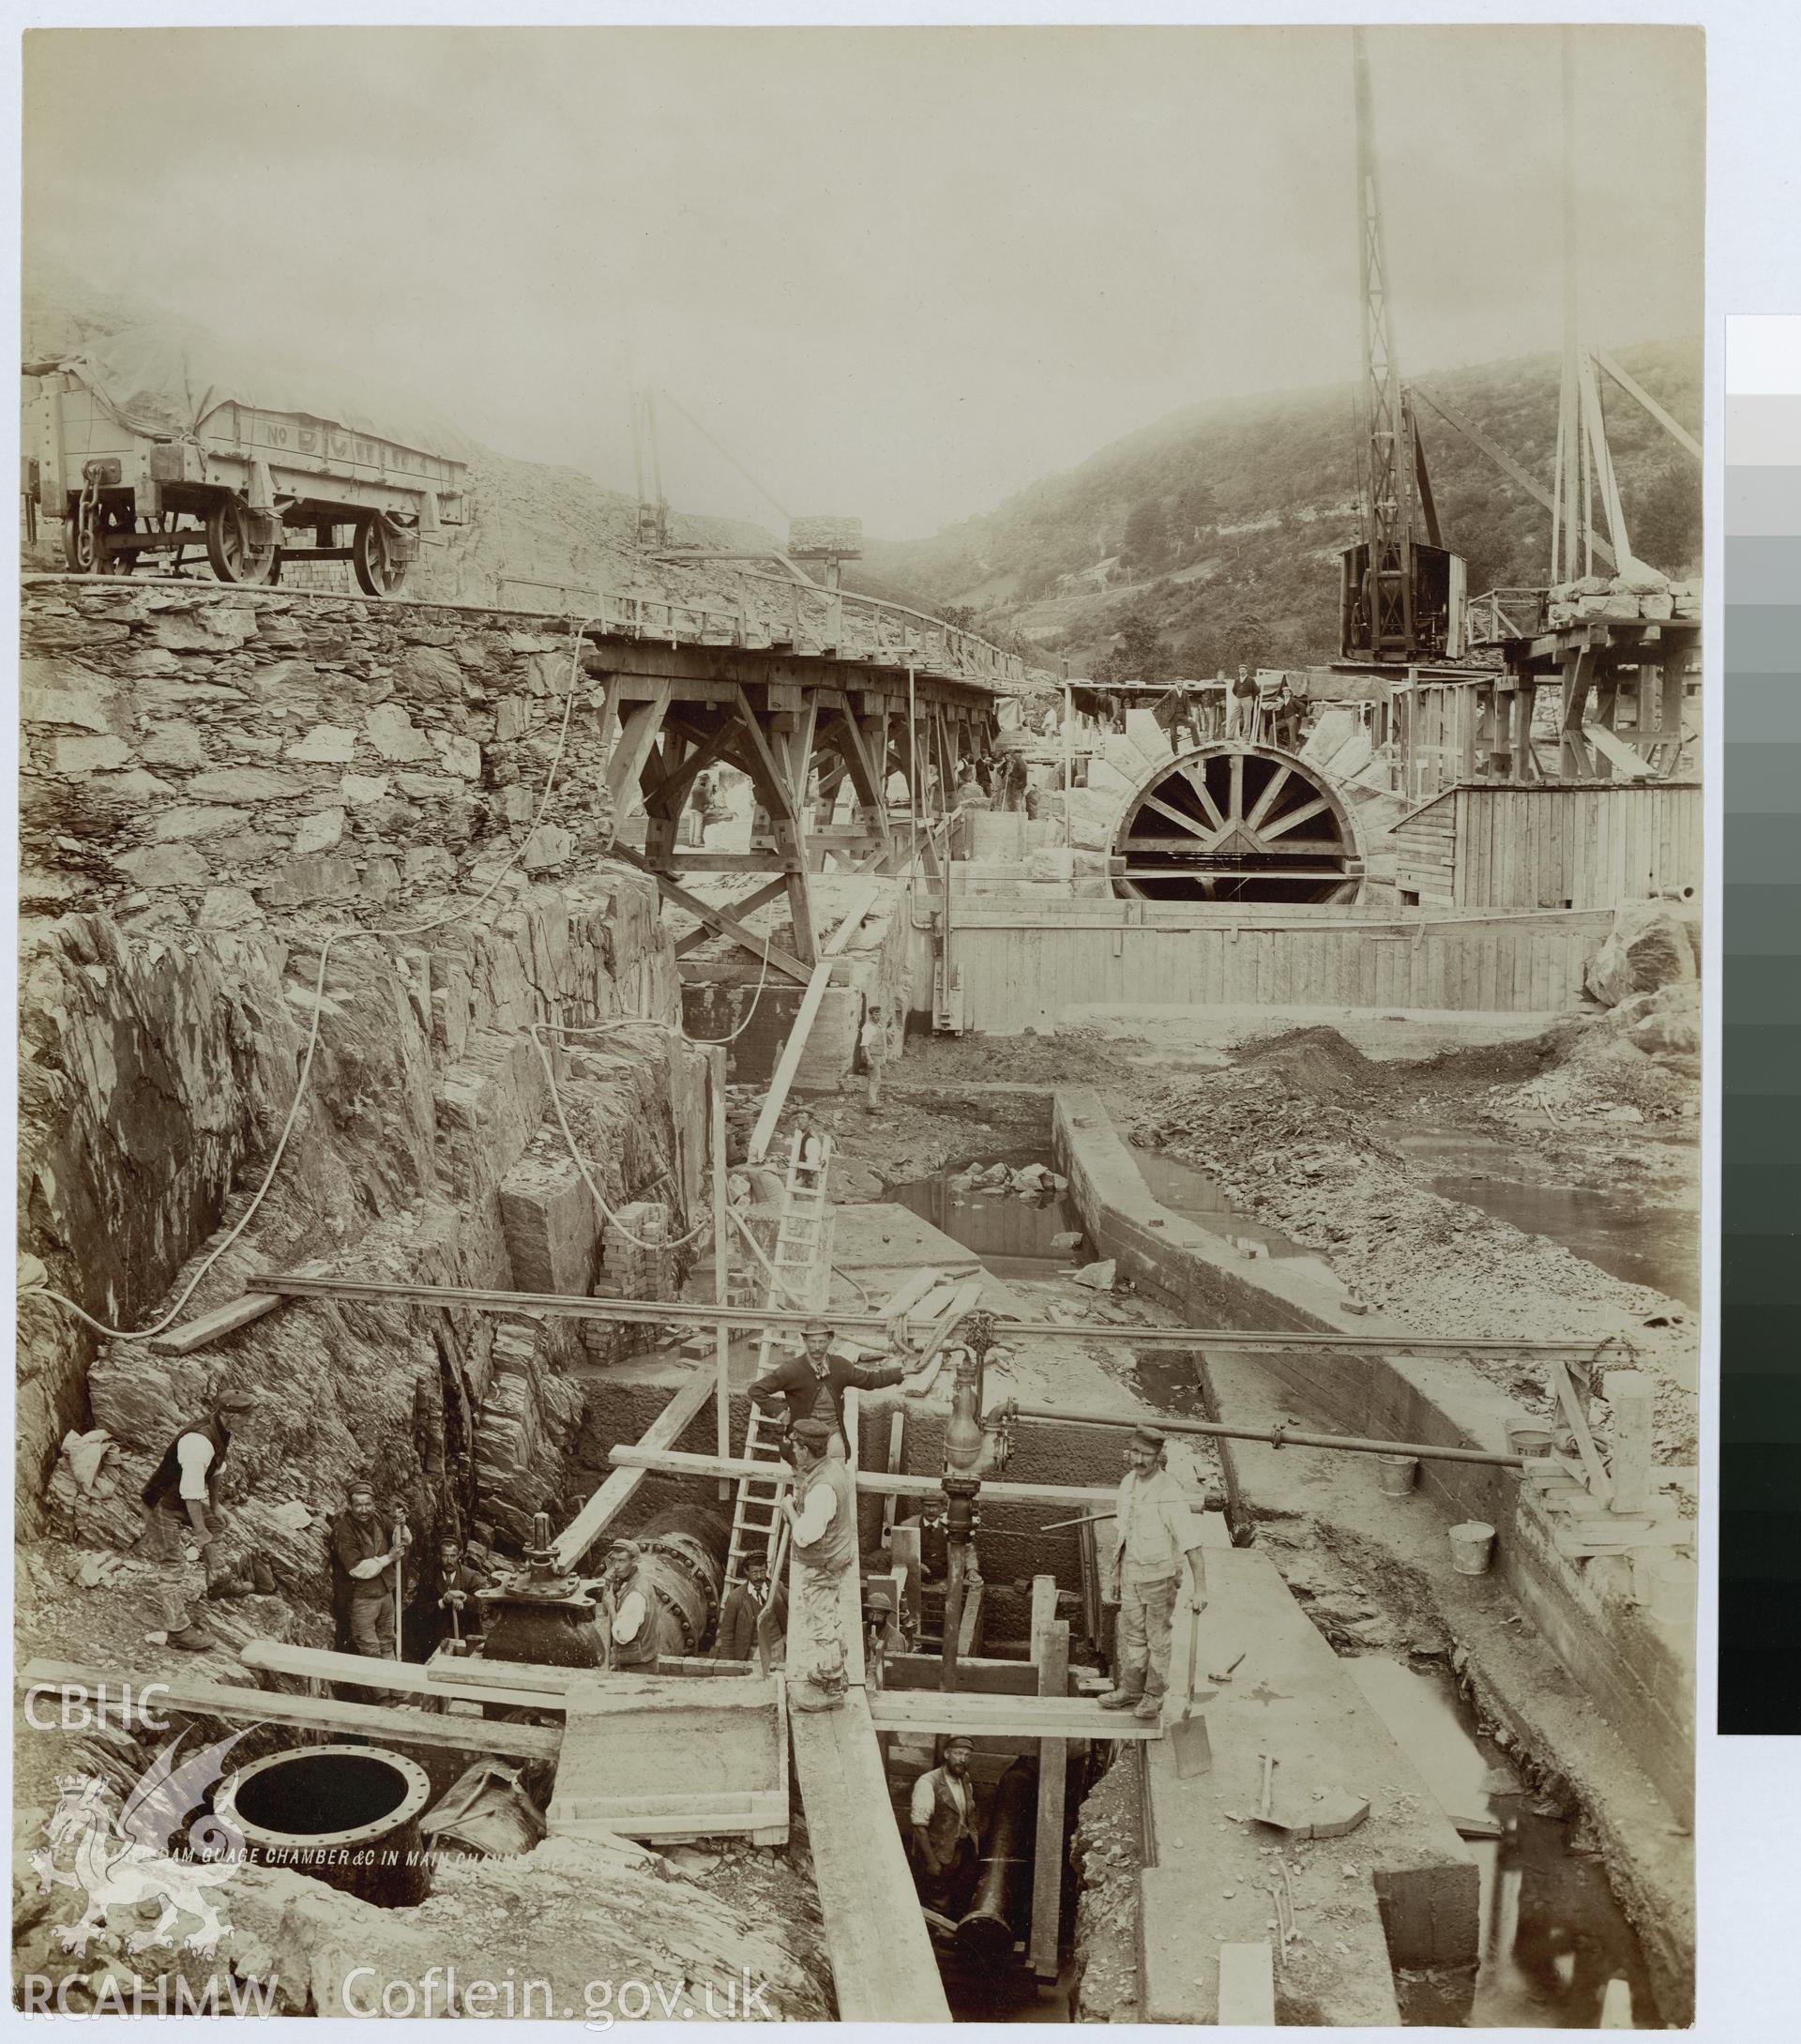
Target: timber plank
(189, 1694)
(993, 1716)
(883, 1966)
(460, 1676)
(614, 1495)
(214, 1326)
(1053, 1764)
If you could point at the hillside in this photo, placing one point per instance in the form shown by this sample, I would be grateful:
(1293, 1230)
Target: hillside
(1210, 537)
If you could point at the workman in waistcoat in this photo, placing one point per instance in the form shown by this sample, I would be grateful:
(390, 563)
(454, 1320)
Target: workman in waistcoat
(735, 1636)
(946, 1845)
(811, 1385)
(630, 1617)
(368, 1551)
(182, 1519)
(1158, 1533)
(821, 1518)
(458, 1579)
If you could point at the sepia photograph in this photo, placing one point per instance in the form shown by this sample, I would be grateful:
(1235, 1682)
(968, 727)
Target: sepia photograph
(859, 1024)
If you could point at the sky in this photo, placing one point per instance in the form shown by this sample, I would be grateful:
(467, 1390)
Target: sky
(898, 273)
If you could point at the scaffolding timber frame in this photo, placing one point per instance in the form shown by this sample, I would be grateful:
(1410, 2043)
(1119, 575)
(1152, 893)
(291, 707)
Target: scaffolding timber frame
(669, 712)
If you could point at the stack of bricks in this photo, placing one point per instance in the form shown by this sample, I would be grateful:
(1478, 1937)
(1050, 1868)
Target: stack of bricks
(638, 1262)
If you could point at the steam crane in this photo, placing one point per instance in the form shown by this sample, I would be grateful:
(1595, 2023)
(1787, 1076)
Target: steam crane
(1400, 592)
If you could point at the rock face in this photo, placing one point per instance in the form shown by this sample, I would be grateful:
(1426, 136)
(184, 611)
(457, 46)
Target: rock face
(157, 1075)
(1648, 947)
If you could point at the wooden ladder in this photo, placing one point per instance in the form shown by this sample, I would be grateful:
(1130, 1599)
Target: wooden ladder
(794, 1278)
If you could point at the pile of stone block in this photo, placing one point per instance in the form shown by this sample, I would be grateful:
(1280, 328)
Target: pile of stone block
(1635, 593)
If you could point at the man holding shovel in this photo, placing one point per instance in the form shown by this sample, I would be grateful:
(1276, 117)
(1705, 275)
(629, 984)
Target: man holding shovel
(1158, 1532)
(371, 1557)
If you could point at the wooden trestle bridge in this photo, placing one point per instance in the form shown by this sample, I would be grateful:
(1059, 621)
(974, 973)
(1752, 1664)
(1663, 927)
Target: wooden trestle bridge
(674, 708)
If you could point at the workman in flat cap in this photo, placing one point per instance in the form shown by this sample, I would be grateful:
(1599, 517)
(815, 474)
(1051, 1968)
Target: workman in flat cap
(821, 1512)
(368, 1551)
(1158, 1533)
(182, 1519)
(630, 1615)
(811, 1385)
(946, 1845)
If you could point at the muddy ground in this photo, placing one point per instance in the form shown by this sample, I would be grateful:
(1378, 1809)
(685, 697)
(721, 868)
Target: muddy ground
(1305, 1132)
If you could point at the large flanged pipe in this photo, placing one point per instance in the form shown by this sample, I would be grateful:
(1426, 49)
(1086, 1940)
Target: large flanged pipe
(348, 1815)
(1230, 821)
(1002, 1900)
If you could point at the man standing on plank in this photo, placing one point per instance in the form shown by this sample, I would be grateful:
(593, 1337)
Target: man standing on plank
(822, 1517)
(1158, 1532)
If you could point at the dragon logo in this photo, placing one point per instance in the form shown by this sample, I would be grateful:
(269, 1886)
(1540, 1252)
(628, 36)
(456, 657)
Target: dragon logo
(124, 1859)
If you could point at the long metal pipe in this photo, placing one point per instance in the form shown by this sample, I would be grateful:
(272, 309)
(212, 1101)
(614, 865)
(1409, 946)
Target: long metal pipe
(658, 1313)
(1270, 1436)
(988, 1929)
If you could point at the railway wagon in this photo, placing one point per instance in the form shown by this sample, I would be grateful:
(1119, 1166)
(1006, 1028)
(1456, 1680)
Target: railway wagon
(150, 445)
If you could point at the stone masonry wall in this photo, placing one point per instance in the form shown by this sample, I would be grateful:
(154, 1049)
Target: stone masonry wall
(221, 757)
(180, 789)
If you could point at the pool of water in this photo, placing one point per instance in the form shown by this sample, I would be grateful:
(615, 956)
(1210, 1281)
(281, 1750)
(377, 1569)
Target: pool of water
(1552, 1935)
(1654, 1245)
(1013, 1236)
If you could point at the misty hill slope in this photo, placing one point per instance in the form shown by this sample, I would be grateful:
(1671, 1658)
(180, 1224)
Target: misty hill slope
(1216, 528)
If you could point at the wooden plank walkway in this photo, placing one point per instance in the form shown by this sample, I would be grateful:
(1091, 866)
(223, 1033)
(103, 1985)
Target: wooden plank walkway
(459, 1680)
(202, 1699)
(985, 1717)
(883, 1966)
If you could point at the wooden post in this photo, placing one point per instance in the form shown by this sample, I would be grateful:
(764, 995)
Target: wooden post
(1068, 762)
(1054, 1762)
(722, 1273)
(1044, 1611)
(1629, 1393)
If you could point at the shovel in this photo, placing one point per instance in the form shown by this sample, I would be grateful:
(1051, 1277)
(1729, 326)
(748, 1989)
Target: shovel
(767, 1626)
(1188, 1739)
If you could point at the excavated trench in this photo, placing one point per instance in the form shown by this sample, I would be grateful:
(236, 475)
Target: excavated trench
(1553, 1934)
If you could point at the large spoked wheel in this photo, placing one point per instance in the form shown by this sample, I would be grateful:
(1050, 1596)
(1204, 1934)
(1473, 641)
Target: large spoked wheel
(1231, 821)
(81, 540)
(378, 572)
(233, 549)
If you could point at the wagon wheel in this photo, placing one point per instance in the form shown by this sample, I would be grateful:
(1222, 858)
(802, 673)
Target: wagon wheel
(81, 540)
(233, 547)
(378, 570)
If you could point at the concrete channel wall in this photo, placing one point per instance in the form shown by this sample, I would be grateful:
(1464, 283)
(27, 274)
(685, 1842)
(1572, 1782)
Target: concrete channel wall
(1639, 1677)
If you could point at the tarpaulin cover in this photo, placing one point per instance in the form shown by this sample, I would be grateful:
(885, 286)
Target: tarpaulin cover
(166, 378)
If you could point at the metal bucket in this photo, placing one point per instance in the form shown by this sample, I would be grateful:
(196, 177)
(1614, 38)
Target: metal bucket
(1529, 1440)
(1397, 1473)
(1472, 1548)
